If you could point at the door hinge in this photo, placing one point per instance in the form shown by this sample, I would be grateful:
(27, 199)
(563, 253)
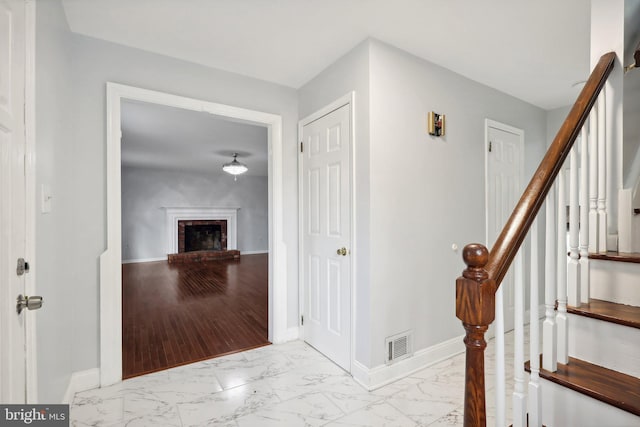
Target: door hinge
(301, 147)
(489, 146)
(302, 320)
(23, 267)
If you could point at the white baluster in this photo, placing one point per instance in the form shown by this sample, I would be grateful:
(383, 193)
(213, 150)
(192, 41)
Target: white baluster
(593, 180)
(612, 189)
(561, 315)
(519, 393)
(549, 331)
(573, 269)
(535, 392)
(584, 216)
(602, 175)
(500, 362)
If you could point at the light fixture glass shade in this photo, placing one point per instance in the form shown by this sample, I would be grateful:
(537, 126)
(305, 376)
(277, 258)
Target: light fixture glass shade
(235, 167)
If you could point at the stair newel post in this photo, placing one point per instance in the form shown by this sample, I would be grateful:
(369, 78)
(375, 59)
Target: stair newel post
(475, 307)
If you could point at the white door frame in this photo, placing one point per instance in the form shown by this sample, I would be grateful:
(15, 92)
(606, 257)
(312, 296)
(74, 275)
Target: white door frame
(348, 99)
(111, 259)
(31, 206)
(30, 353)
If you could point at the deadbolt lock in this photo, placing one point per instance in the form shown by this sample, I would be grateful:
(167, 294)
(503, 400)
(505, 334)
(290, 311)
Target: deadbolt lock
(30, 303)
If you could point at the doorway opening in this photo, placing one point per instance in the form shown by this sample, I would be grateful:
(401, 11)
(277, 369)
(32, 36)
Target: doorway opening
(207, 297)
(111, 260)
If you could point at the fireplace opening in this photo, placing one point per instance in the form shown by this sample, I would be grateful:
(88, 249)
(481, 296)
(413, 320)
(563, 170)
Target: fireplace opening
(202, 235)
(202, 238)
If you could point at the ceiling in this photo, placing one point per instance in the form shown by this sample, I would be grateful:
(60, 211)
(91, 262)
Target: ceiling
(156, 136)
(533, 50)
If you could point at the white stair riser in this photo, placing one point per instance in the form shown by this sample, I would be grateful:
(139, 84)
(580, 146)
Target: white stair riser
(607, 344)
(615, 281)
(565, 407)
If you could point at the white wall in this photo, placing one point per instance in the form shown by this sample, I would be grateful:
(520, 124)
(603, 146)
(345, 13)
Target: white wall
(555, 118)
(351, 73)
(631, 126)
(607, 35)
(56, 279)
(146, 191)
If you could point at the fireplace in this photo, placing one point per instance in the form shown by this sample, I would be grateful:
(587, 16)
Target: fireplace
(202, 235)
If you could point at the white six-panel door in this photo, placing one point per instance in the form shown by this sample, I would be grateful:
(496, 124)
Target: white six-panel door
(326, 235)
(12, 199)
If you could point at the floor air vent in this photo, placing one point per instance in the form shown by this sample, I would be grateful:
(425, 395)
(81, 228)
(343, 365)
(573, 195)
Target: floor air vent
(398, 347)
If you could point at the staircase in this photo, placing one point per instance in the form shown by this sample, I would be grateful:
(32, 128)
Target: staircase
(600, 386)
(584, 359)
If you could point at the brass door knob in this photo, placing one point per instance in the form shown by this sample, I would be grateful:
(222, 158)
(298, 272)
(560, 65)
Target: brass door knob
(342, 251)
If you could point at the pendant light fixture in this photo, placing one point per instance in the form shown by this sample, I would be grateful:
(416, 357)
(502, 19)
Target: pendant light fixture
(235, 167)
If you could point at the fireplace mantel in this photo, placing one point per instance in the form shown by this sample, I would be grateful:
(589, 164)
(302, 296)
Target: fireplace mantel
(175, 214)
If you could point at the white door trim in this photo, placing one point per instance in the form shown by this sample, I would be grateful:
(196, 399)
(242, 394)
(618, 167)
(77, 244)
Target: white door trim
(488, 123)
(111, 259)
(31, 205)
(348, 99)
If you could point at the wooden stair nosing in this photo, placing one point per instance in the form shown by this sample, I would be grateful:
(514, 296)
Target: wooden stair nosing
(617, 256)
(612, 387)
(626, 315)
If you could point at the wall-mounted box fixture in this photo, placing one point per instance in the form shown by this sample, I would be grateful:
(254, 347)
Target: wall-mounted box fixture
(435, 124)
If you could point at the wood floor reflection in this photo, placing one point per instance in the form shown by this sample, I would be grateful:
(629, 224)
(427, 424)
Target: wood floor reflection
(178, 314)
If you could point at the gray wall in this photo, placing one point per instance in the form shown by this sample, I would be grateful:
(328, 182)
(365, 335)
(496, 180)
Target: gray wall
(407, 276)
(439, 197)
(146, 191)
(71, 143)
(56, 279)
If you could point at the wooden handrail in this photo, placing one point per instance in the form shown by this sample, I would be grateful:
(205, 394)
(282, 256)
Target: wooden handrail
(517, 227)
(476, 288)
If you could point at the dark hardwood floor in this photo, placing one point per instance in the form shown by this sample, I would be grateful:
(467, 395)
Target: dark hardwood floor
(178, 314)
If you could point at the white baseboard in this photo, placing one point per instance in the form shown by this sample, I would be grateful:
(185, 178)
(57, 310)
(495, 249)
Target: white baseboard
(81, 381)
(254, 252)
(379, 376)
(291, 334)
(131, 261)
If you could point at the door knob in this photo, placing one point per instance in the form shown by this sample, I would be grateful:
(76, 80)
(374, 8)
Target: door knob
(30, 303)
(342, 251)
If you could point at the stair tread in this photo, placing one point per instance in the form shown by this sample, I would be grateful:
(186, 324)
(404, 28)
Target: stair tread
(633, 257)
(627, 315)
(606, 385)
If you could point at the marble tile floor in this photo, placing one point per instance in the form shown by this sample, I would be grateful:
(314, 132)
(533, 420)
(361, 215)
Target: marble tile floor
(281, 385)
